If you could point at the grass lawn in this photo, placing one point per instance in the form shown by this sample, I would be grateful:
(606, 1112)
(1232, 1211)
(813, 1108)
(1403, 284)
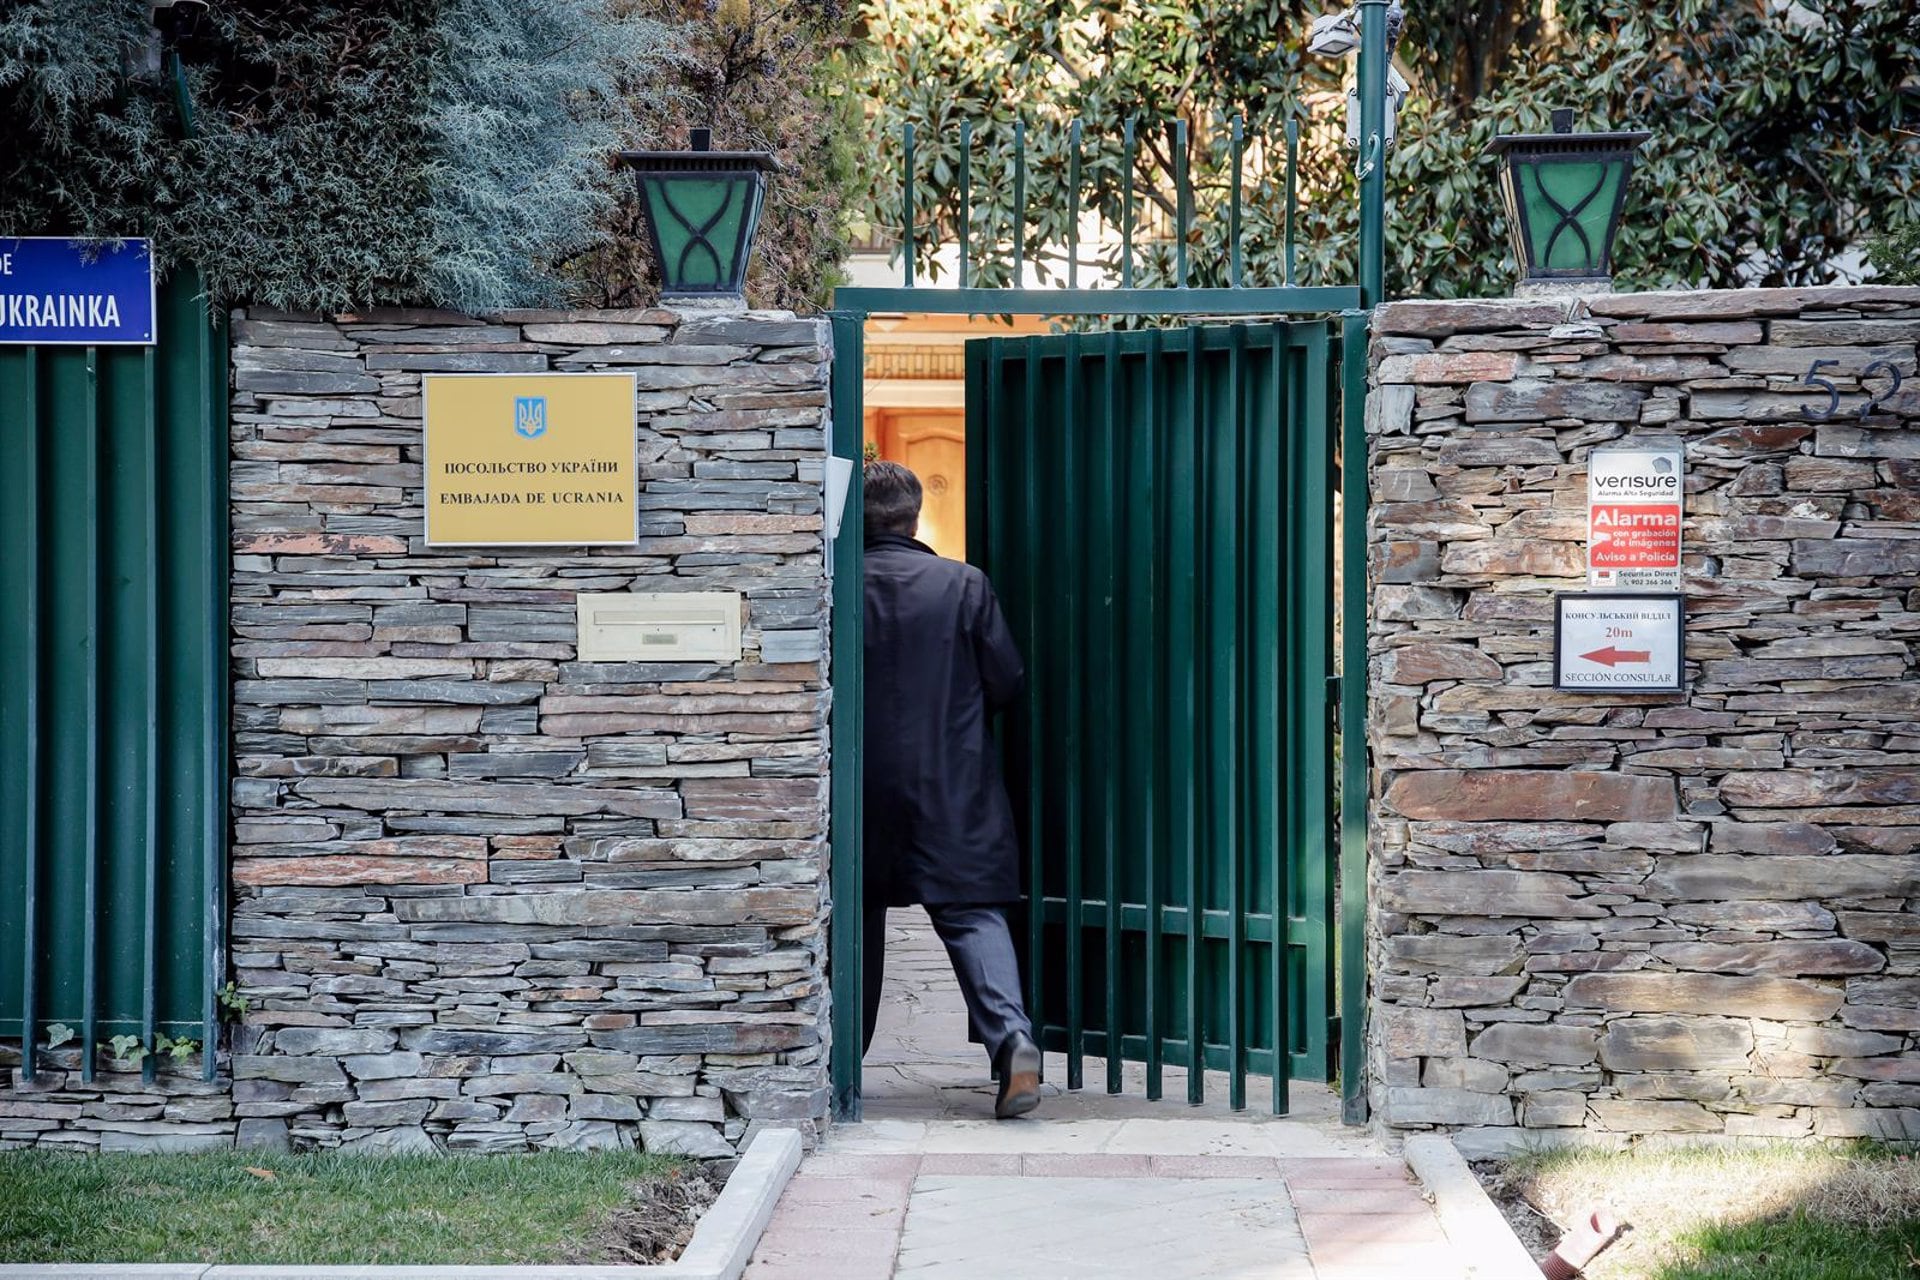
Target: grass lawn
(247, 1207)
(1769, 1213)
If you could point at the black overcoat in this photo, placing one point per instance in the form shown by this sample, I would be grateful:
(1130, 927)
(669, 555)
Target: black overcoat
(939, 663)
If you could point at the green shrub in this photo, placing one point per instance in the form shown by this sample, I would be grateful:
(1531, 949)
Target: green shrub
(1779, 131)
(331, 155)
(1895, 256)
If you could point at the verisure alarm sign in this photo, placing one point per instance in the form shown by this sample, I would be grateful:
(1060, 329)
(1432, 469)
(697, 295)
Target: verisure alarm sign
(1635, 510)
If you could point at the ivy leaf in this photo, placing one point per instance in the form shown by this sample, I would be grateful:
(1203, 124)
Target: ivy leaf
(127, 1049)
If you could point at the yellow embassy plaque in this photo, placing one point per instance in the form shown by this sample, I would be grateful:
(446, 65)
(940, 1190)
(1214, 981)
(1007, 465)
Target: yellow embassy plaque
(530, 459)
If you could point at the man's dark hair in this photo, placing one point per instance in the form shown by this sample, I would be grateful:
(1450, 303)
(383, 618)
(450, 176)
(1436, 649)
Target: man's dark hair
(892, 499)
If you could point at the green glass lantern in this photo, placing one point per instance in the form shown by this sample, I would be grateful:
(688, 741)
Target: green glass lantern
(701, 208)
(1564, 192)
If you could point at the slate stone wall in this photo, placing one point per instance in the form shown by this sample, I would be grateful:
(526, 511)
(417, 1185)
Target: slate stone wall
(1596, 916)
(488, 897)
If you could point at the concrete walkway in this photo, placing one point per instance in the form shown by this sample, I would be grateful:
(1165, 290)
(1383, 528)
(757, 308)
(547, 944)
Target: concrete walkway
(1094, 1185)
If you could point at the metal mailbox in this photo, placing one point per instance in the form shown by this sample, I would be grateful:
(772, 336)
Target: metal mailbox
(673, 626)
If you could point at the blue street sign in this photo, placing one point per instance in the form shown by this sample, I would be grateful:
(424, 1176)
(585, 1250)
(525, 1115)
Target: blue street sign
(87, 292)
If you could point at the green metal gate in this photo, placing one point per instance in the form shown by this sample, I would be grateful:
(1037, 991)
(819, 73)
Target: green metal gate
(1158, 506)
(1155, 510)
(113, 683)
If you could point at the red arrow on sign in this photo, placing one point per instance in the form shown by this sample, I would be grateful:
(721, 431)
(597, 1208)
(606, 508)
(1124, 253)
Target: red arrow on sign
(1611, 656)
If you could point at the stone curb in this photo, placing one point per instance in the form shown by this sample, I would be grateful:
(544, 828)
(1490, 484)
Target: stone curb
(1478, 1230)
(719, 1250)
(723, 1243)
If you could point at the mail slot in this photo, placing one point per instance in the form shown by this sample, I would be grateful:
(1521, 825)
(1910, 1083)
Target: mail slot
(673, 626)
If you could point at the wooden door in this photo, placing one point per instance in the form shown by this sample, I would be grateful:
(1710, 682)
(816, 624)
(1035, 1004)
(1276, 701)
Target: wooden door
(932, 443)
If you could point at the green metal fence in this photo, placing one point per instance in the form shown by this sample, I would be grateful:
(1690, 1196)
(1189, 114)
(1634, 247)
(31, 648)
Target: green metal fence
(1014, 245)
(113, 684)
(1278, 171)
(1155, 510)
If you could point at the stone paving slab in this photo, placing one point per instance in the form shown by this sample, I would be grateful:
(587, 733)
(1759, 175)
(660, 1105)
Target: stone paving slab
(1214, 1167)
(842, 1216)
(1171, 1136)
(1358, 1199)
(1069, 1228)
(1365, 1172)
(1023, 1216)
(979, 1163)
(823, 1250)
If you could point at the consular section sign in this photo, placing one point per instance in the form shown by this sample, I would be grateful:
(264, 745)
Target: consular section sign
(1634, 511)
(530, 459)
(1619, 643)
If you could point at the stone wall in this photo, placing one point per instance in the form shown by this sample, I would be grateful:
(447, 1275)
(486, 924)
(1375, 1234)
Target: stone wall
(118, 1110)
(487, 896)
(1599, 916)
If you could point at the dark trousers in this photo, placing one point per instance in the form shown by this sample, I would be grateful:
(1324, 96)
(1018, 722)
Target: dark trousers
(981, 948)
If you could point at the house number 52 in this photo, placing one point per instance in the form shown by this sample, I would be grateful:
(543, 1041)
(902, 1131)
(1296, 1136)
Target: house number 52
(1873, 400)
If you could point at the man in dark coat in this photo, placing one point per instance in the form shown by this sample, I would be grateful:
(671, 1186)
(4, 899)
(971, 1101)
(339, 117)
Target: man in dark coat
(939, 830)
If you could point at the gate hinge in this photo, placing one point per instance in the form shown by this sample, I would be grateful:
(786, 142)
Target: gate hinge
(1333, 690)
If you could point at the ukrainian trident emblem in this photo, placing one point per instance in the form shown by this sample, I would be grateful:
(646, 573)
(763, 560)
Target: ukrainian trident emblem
(530, 416)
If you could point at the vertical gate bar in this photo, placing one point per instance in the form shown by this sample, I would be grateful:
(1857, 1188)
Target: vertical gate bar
(845, 937)
(1284, 479)
(30, 675)
(150, 791)
(1298, 707)
(1072, 492)
(1353, 719)
(90, 815)
(1073, 205)
(1224, 696)
(1296, 963)
(1183, 206)
(966, 200)
(1036, 693)
(974, 443)
(995, 550)
(1112, 540)
(1316, 565)
(1152, 657)
(212, 371)
(1293, 200)
(1233, 229)
(1185, 660)
(1019, 201)
(906, 204)
(1126, 207)
(976, 398)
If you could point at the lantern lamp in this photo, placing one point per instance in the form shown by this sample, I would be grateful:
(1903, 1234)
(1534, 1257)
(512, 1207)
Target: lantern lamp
(701, 208)
(1564, 192)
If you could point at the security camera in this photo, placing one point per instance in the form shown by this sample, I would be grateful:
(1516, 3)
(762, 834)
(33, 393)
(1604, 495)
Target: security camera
(1335, 35)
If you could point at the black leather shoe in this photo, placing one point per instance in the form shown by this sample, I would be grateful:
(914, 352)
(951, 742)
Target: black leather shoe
(1019, 1070)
